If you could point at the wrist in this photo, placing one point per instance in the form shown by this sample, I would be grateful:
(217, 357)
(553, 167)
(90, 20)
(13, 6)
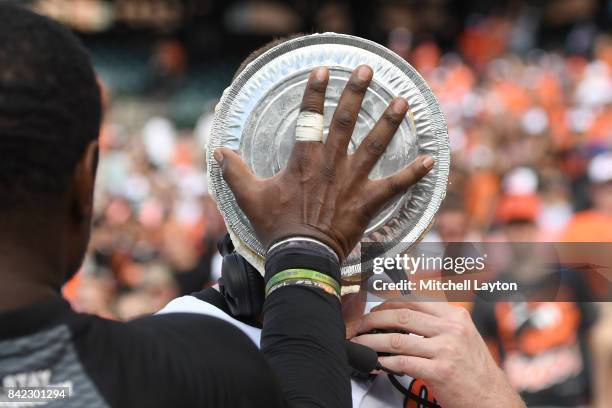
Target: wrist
(303, 277)
(299, 241)
(309, 232)
(503, 391)
(302, 253)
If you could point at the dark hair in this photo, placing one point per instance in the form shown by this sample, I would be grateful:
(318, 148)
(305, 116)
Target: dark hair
(259, 51)
(50, 106)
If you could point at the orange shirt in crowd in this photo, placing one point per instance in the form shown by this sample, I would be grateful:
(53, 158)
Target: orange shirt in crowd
(589, 226)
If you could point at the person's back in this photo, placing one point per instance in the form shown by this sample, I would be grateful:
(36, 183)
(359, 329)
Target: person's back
(169, 360)
(549, 338)
(50, 113)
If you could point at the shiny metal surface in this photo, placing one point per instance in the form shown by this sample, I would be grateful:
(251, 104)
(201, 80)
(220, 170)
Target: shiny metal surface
(258, 112)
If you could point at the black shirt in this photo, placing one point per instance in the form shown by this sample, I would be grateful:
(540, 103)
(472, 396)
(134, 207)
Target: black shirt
(182, 359)
(158, 361)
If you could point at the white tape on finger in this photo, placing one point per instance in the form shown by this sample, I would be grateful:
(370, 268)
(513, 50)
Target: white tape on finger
(309, 127)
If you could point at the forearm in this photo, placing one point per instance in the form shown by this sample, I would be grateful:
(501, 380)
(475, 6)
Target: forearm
(303, 341)
(303, 335)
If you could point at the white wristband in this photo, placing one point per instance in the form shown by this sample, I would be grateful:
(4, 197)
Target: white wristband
(299, 238)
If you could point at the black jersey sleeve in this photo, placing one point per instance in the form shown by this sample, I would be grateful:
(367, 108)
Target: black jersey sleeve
(179, 360)
(303, 336)
(188, 359)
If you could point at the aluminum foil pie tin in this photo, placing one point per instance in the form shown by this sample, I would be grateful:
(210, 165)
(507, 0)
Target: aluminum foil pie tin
(257, 115)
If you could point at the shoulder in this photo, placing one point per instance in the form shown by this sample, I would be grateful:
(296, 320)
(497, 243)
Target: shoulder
(165, 359)
(198, 305)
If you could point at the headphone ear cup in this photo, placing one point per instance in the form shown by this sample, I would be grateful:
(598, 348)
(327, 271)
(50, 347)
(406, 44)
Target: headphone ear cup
(256, 288)
(225, 245)
(241, 285)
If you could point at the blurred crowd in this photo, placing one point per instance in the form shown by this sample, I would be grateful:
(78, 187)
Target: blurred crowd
(155, 224)
(529, 116)
(530, 133)
(531, 140)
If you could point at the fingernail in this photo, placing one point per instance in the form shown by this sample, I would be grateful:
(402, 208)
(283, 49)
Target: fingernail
(400, 106)
(321, 74)
(218, 156)
(428, 162)
(364, 73)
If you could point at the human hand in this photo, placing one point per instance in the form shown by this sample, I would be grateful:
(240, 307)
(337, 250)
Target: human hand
(324, 192)
(451, 356)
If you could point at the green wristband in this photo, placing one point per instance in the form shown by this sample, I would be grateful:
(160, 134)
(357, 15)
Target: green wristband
(304, 282)
(300, 273)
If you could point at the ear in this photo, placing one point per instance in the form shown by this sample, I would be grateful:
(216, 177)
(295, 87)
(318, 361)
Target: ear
(83, 183)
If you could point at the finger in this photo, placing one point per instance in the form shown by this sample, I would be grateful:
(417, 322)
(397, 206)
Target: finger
(309, 127)
(236, 173)
(396, 184)
(345, 116)
(406, 320)
(443, 310)
(416, 367)
(397, 343)
(439, 309)
(313, 99)
(375, 144)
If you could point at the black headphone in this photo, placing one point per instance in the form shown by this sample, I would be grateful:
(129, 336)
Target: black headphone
(241, 284)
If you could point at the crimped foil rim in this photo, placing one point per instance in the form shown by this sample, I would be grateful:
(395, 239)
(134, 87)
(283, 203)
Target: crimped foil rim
(429, 121)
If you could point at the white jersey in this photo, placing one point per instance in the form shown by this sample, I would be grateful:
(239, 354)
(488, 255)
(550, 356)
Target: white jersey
(377, 393)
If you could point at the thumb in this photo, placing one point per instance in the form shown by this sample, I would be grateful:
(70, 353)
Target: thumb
(235, 171)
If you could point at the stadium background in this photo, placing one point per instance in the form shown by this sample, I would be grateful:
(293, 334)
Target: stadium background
(526, 88)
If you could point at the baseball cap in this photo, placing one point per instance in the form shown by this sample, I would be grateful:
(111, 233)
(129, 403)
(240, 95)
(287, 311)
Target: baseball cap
(512, 208)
